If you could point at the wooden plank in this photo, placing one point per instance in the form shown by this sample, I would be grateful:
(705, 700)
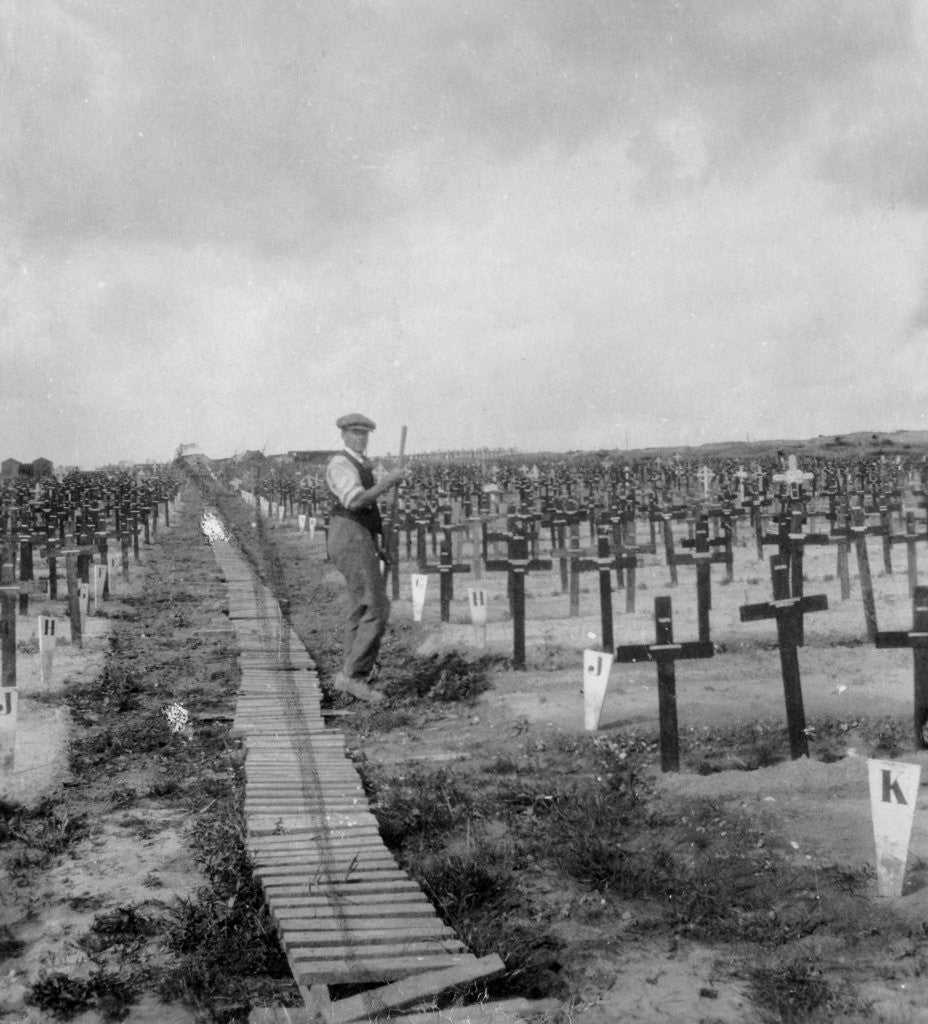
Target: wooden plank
(411, 990)
(371, 900)
(333, 926)
(367, 911)
(343, 863)
(300, 847)
(321, 883)
(293, 895)
(293, 824)
(369, 968)
(311, 839)
(330, 936)
(406, 947)
(503, 1011)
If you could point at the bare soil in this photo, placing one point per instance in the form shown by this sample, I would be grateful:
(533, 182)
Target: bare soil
(611, 956)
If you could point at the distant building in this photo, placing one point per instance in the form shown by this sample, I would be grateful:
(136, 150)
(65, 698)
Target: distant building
(42, 467)
(316, 455)
(252, 456)
(9, 469)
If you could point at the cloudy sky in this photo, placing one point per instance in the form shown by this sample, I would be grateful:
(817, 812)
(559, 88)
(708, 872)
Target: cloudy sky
(542, 224)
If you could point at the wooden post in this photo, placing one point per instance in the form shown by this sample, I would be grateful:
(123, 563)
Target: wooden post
(665, 653)
(74, 597)
(859, 531)
(8, 692)
(578, 560)
(702, 558)
(518, 560)
(446, 569)
(51, 558)
(604, 561)
(8, 601)
(786, 609)
(917, 639)
(517, 564)
(667, 527)
(910, 539)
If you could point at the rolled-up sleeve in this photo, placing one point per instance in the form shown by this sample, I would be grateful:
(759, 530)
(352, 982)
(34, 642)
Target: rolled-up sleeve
(343, 479)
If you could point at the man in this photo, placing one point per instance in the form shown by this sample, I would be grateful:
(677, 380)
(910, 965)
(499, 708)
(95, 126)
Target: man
(353, 544)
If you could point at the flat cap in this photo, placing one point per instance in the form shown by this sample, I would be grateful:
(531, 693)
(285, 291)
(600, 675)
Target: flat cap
(355, 419)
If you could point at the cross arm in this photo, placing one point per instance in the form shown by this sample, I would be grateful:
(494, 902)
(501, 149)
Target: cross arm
(770, 609)
(913, 639)
(634, 653)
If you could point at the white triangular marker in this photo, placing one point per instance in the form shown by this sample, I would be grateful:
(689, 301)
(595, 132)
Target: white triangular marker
(47, 641)
(419, 583)
(893, 792)
(596, 668)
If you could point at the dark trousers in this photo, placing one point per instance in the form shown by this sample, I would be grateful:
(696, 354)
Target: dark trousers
(353, 552)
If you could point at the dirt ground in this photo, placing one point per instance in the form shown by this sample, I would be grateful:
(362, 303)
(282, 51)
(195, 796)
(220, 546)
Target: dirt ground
(617, 971)
(821, 809)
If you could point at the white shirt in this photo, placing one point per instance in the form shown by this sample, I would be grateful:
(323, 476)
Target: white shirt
(343, 478)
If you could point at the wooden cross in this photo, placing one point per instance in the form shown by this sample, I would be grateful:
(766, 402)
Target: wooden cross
(517, 565)
(885, 506)
(910, 538)
(787, 611)
(446, 569)
(791, 541)
(917, 639)
(577, 560)
(702, 557)
(604, 564)
(859, 530)
(793, 477)
(664, 653)
(741, 476)
(705, 476)
(665, 517)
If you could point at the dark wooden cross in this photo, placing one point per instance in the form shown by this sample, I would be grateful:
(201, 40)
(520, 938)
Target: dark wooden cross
(446, 569)
(664, 653)
(702, 557)
(791, 542)
(517, 565)
(910, 538)
(787, 610)
(577, 560)
(859, 531)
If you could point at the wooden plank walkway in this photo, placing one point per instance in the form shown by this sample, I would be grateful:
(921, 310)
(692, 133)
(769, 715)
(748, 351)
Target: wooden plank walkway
(345, 911)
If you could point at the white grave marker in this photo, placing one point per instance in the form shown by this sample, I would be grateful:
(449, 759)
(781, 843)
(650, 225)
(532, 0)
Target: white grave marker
(47, 642)
(419, 584)
(113, 564)
(893, 792)
(83, 593)
(7, 727)
(477, 601)
(596, 668)
(312, 527)
(301, 522)
(99, 582)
